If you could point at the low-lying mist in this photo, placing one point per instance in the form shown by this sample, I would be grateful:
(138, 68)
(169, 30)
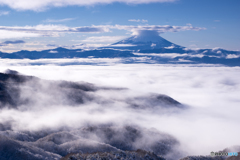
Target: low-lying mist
(124, 94)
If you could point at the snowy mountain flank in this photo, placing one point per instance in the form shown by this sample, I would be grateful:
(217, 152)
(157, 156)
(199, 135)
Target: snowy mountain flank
(147, 44)
(145, 40)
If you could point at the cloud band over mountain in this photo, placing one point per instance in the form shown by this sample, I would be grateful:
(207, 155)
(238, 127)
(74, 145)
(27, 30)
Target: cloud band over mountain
(54, 30)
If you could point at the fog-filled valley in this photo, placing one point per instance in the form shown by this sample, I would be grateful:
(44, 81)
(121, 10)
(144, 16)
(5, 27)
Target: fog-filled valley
(174, 111)
(119, 80)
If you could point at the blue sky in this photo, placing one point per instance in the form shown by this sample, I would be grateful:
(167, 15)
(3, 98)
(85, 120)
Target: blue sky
(43, 24)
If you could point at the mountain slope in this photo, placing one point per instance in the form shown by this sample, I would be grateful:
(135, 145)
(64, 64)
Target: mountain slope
(16, 150)
(127, 155)
(144, 40)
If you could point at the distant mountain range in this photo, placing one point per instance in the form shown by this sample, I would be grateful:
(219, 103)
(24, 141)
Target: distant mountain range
(147, 44)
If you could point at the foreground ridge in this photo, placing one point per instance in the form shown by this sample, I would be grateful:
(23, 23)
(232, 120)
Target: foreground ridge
(127, 155)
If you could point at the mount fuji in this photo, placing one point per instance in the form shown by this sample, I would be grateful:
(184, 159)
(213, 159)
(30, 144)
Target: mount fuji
(145, 40)
(144, 47)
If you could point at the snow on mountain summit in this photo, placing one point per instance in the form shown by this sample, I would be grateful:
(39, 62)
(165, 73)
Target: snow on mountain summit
(145, 36)
(145, 39)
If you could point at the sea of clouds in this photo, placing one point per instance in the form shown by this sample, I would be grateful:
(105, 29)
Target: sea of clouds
(210, 123)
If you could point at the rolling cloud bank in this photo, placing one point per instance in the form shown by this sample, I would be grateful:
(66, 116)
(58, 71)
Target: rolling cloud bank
(172, 110)
(119, 80)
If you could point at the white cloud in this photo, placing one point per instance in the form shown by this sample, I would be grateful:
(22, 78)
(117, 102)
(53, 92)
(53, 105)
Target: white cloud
(216, 48)
(14, 34)
(55, 30)
(58, 20)
(2, 13)
(46, 30)
(212, 92)
(122, 45)
(53, 51)
(153, 45)
(103, 39)
(158, 28)
(40, 5)
(170, 47)
(87, 46)
(138, 20)
(230, 56)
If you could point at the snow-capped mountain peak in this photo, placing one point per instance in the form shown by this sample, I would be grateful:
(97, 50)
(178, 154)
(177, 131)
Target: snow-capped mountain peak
(145, 39)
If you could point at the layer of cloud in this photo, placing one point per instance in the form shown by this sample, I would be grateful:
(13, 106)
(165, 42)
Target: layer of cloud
(52, 45)
(231, 56)
(103, 39)
(55, 30)
(48, 30)
(2, 13)
(7, 34)
(158, 28)
(87, 46)
(40, 5)
(212, 93)
(138, 20)
(11, 42)
(58, 20)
